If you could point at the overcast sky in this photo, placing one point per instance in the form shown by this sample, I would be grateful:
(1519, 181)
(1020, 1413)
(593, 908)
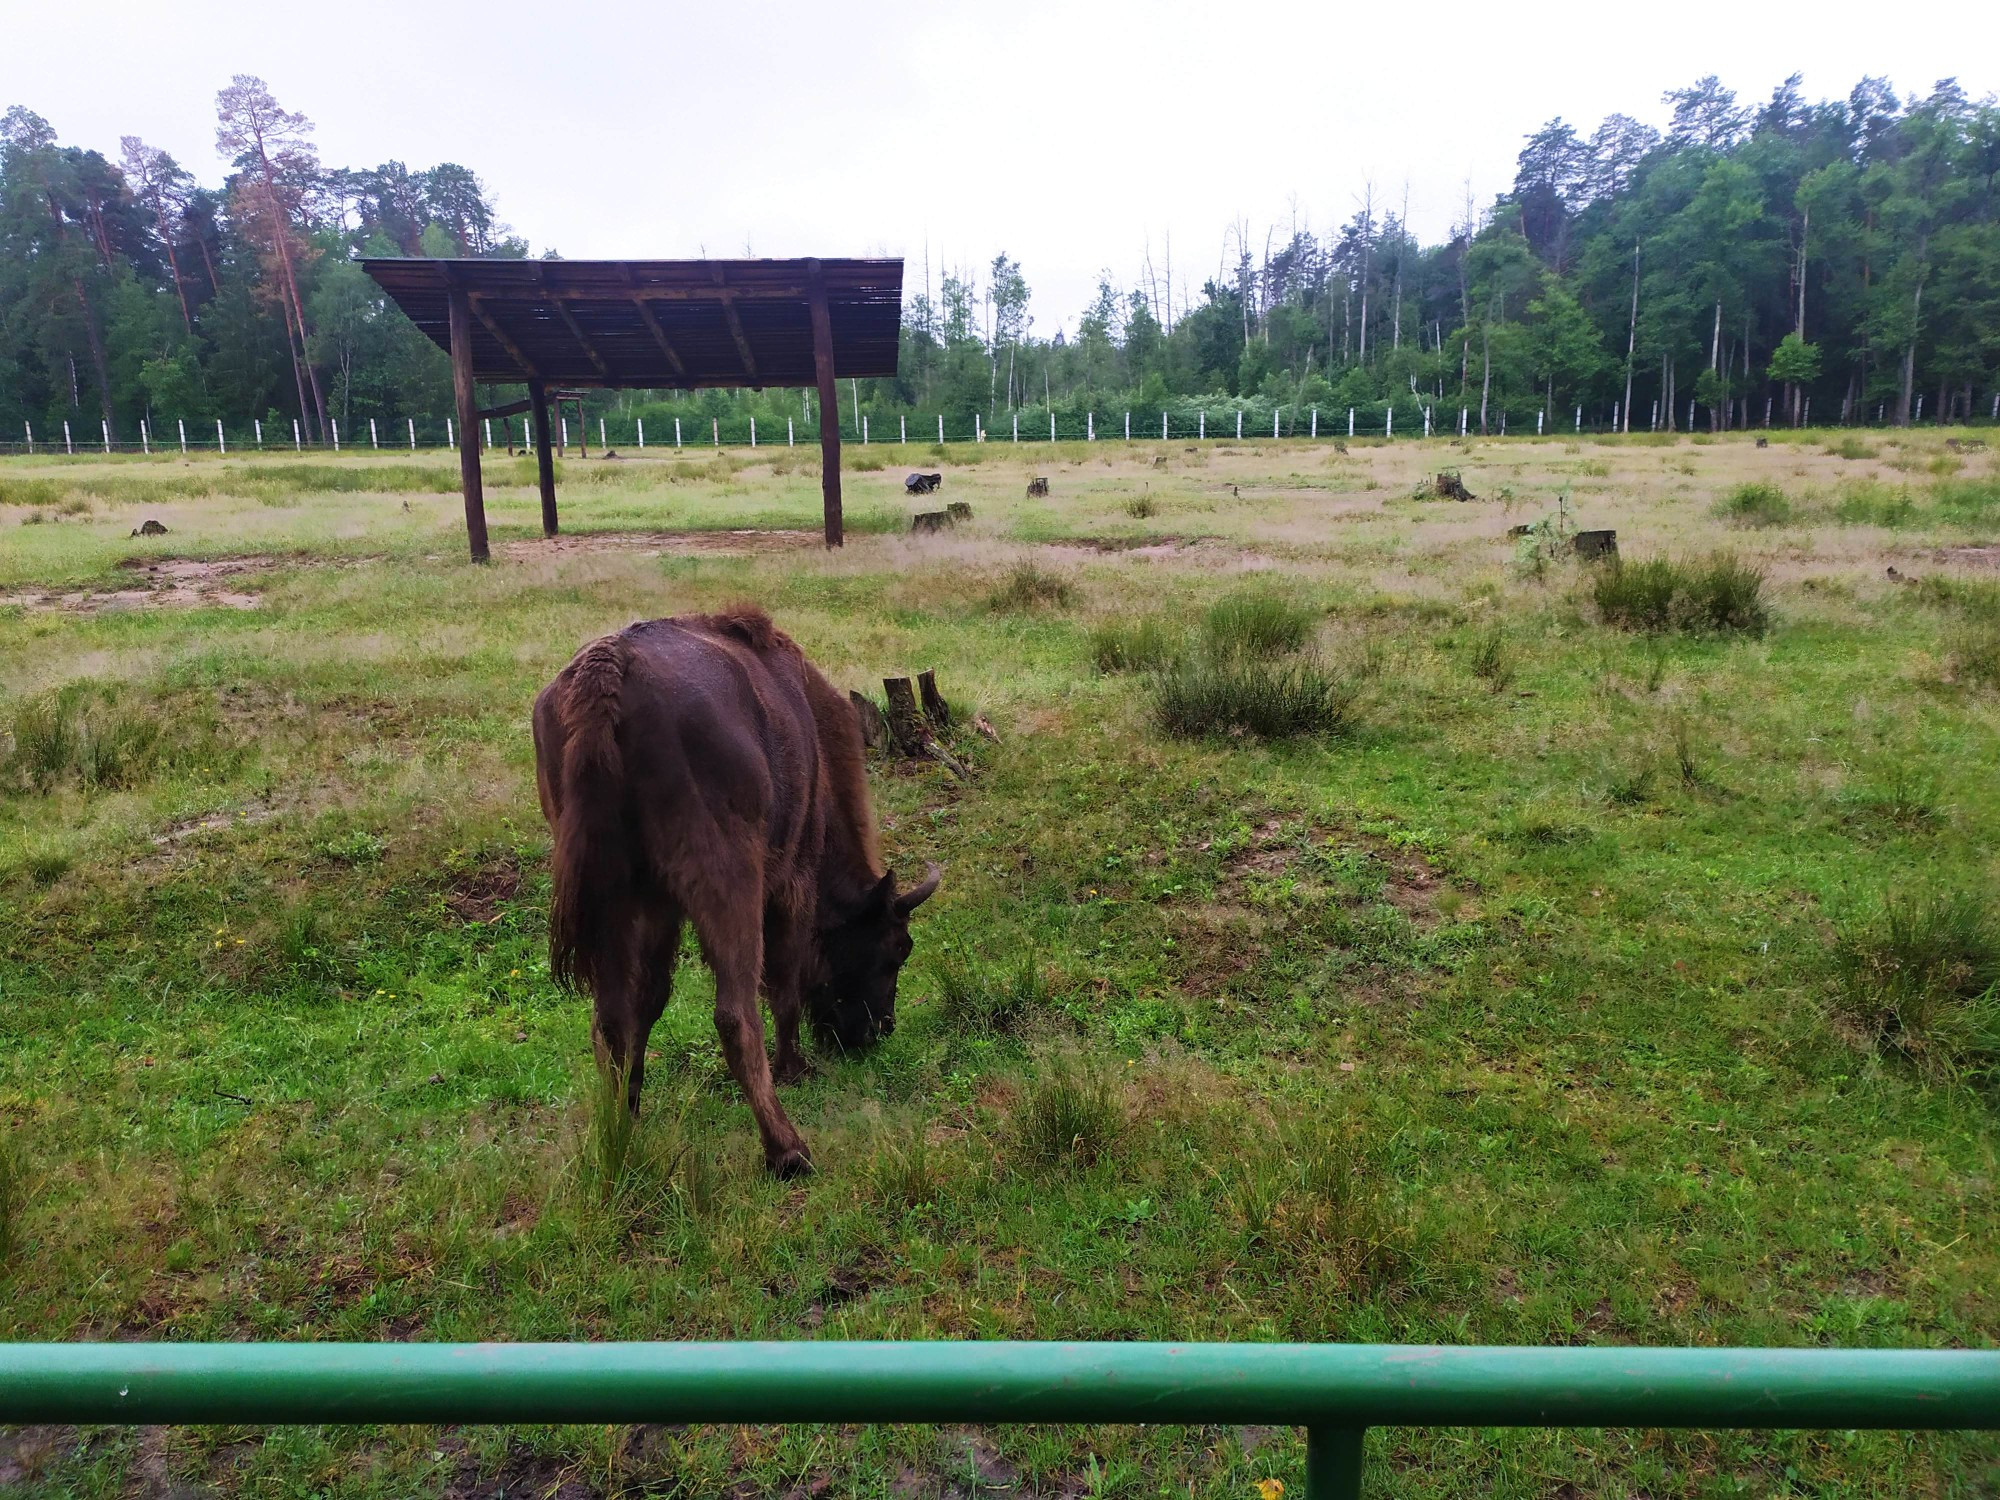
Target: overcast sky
(1072, 136)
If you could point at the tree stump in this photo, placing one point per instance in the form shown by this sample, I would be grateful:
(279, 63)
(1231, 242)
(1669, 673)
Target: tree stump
(1038, 488)
(1596, 546)
(874, 728)
(906, 721)
(935, 708)
(958, 510)
(929, 520)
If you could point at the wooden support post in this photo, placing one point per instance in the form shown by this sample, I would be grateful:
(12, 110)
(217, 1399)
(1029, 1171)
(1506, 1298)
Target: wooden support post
(545, 459)
(467, 401)
(829, 405)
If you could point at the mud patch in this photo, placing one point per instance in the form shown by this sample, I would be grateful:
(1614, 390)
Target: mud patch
(522, 1475)
(476, 896)
(662, 544)
(1986, 556)
(160, 583)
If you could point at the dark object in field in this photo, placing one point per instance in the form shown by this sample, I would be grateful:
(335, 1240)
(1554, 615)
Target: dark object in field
(1235, 492)
(150, 528)
(608, 455)
(1514, 533)
(931, 520)
(1038, 488)
(1448, 486)
(700, 769)
(1159, 461)
(1899, 577)
(959, 510)
(1763, 442)
(921, 484)
(874, 728)
(1595, 546)
(1966, 445)
(1339, 446)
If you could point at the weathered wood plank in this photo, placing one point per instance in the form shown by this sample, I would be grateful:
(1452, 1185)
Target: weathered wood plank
(829, 407)
(545, 459)
(466, 398)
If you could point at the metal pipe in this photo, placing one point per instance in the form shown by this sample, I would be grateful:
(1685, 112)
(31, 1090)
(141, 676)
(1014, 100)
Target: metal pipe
(1331, 1387)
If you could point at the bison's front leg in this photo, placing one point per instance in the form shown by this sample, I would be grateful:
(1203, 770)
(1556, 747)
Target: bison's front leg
(785, 940)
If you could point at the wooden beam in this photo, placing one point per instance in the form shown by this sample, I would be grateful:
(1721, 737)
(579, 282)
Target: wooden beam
(660, 337)
(467, 400)
(545, 461)
(829, 405)
(736, 326)
(575, 329)
(500, 337)
(511, 409)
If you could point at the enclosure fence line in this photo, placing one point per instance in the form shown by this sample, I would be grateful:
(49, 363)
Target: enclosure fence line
(1233, 423)
(1336, 1392)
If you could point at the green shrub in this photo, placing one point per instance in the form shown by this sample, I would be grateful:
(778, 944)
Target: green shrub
(994, 1002)
(1871, 504)
(1145, 645)
(1142, 507)
(1492, 663)
(1922, 976)
(1070, 1113)
(1718, 594)
(1200, 695)
(1029, 587)
(1973, 649)
(1967, 501)
(1850, 447)
(1755, 505)
(1257, 623)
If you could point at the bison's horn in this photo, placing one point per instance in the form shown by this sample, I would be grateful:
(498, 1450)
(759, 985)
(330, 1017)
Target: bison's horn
(918, 894)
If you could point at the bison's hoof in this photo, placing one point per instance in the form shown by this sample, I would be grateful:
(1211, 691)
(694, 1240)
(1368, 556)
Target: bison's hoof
(796, 1162)
(789, 1070)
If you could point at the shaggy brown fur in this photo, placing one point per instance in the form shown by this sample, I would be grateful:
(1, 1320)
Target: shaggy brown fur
(699, 769)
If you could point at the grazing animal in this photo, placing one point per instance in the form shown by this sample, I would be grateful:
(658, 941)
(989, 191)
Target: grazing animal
(922, 484)
(150, 528)
(699, 769)
(1038, 488)
(1763, 442)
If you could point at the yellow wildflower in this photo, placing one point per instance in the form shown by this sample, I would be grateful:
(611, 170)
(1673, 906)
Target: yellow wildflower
(1271, 1489)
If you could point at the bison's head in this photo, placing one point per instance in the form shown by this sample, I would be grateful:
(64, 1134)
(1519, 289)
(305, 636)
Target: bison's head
(853, 1002)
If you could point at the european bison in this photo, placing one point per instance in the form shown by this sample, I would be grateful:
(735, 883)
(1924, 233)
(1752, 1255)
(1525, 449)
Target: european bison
(700, 769)
(921, 484)
(1038, 488)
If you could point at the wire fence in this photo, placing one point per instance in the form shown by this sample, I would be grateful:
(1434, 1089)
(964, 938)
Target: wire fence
(1308, 423)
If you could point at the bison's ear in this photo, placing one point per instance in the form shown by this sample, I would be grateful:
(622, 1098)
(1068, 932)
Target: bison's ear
(918, 894)
(882, 898)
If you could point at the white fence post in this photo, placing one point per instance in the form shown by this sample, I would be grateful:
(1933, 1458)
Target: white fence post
(336, 433)
(451, 438)
(1389, 422)
(864, 429)
(753, 431)
(1163, 426)
(1274, 421)
(903, 428)
(1128, 427)
(791, 440)
(181, 423)
(29, 429)
(412, 421)
(1017, 427)
(1461, 421)
(640, 423)
(298, 443)
(68, 447)
(145, 439)
(715, 430)
(940, 429)
(106, 426)
(1655, 427)
(1315, 423)
(258, 424)
(1614, 416)
(221, 443)
(1538, 422)
(1920, 409)
(1201, 426)
(1427, 421)
(373, 441)
(1052, 424)
(677, 432)
(602, 441)
(1090, 427)
(1239, 424)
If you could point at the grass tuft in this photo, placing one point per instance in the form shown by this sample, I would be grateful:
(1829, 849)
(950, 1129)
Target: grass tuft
(1196, 695)
(1142, 507)
(990, 1001)
(1492, 663)
(1922, 976)
(1715, 596)
(1070, 1113)
(1144, 645)
(1257, 623)
(1028, 587)
(81, 732)
(1754, 505)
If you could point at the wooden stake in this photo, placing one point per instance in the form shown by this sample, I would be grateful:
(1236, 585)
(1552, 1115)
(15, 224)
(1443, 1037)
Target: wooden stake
(545, 460)
(467, 400)
(829, 405)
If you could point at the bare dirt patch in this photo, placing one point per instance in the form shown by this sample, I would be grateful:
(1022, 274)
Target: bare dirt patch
(476, 896)
(159, 583)
(1987, 556)
(661, 543)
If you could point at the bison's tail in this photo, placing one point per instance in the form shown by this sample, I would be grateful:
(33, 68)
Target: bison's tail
(594, 853)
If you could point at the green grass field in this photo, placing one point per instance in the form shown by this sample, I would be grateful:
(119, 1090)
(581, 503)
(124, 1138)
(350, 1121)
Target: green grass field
(1583, 958)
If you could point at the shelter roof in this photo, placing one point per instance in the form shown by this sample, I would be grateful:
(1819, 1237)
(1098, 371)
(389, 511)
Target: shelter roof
(668, 324)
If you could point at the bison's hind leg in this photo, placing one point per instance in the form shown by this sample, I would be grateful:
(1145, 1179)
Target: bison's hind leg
(628, 1006)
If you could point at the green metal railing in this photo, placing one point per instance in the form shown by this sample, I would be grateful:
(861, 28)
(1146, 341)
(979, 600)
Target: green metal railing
(1335, 1391)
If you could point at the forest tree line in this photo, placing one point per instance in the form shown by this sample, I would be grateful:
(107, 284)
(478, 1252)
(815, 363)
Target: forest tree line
(1838, 259)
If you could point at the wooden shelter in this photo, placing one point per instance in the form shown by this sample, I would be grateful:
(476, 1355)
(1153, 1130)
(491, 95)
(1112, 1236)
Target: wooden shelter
(650, 325)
